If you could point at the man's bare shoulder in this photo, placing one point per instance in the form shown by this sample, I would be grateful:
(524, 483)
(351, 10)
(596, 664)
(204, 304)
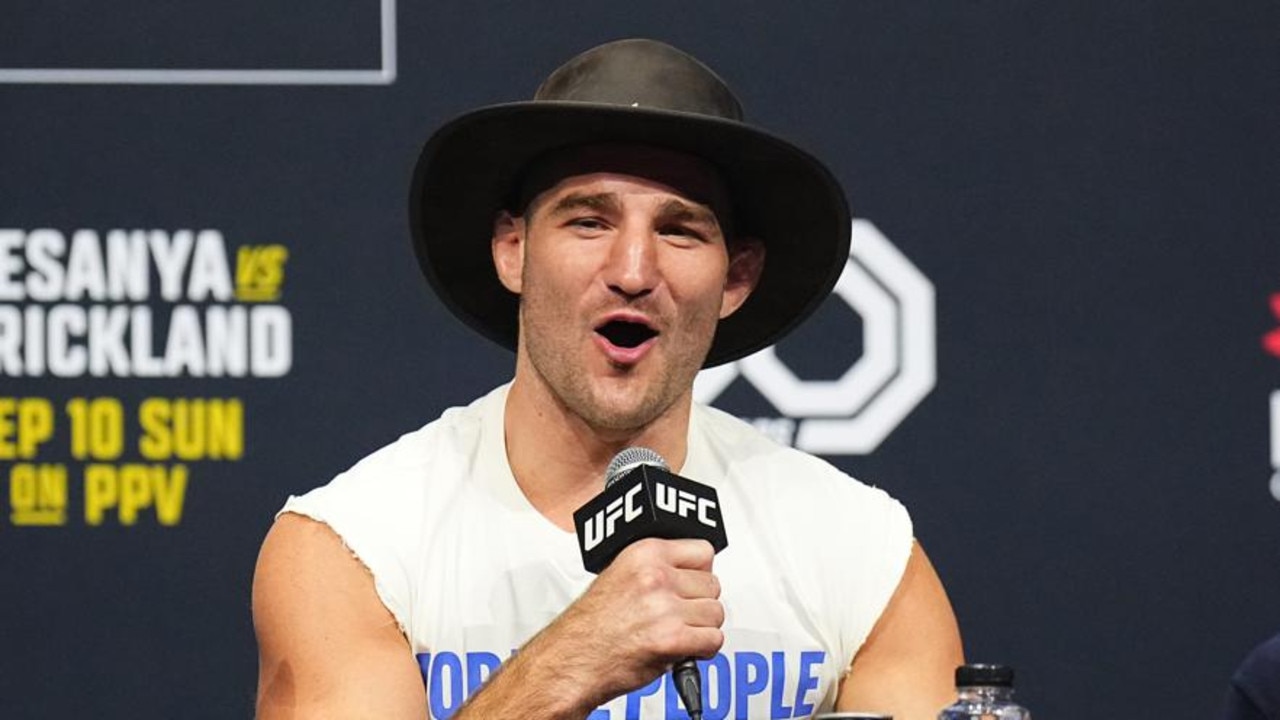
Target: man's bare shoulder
(305, 570)
(325, 640)
(905, 668)
(293, 537)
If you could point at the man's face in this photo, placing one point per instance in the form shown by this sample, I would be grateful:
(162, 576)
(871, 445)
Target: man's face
(623, 276)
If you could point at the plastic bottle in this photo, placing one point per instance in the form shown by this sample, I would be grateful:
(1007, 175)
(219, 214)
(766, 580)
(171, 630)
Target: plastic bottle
(985, 693)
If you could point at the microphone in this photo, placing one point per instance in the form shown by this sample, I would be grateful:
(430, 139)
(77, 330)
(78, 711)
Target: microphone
(643, 499)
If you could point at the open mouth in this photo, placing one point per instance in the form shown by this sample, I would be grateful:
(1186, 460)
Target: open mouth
(626, 334)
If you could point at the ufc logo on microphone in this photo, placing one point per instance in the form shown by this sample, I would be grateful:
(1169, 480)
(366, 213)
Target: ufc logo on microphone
(605, 522)
(681, 502)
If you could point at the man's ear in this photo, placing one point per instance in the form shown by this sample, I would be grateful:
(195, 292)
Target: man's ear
(508, 250)
(746, 262)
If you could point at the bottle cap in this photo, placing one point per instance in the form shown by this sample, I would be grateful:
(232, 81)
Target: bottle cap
(981, 674)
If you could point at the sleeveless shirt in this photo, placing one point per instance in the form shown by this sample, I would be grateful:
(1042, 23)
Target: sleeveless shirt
(471, 570)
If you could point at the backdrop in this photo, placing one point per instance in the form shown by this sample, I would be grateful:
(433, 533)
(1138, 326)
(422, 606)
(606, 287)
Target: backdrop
(1056, 339)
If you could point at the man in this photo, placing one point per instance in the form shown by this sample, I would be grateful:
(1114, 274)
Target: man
(637, 231)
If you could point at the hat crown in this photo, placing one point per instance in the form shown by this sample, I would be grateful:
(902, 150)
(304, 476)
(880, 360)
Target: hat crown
(641, 73)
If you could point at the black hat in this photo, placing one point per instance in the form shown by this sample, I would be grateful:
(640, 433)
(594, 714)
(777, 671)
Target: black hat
(637, 92)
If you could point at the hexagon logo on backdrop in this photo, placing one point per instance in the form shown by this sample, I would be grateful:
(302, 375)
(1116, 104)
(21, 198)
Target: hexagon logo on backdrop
(853, 413)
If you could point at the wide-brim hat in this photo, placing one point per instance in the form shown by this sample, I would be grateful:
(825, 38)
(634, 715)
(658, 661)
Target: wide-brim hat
(632, 92)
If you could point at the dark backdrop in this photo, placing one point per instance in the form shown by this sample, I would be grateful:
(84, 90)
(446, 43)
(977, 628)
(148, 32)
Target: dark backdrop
(1089, 187)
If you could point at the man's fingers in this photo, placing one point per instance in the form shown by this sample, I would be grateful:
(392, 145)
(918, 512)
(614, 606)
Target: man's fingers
(691, 554)
(705, 613)
(702, 642)
(695, 584)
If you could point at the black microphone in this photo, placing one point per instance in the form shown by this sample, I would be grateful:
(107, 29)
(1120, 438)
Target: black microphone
(643, 499)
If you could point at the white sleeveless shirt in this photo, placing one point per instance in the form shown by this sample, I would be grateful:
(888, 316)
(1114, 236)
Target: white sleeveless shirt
(471, 570)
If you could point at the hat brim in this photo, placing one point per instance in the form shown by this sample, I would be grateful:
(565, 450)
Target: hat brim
(780, 194)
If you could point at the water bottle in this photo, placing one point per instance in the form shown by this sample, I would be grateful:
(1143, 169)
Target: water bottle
(986, 693)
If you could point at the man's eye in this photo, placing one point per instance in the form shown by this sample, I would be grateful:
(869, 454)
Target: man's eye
(680, 231)
(588, 223)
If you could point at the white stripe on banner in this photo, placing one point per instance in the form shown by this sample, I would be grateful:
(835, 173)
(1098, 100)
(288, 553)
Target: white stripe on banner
(1275, 444)
(384, 75)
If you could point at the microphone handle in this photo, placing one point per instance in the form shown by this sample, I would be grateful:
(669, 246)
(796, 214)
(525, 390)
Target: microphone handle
(688, 681)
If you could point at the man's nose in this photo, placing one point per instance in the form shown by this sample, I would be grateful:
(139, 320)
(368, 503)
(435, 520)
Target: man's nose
(633, 262)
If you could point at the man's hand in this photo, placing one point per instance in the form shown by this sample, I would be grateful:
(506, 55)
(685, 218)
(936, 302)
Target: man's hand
(657, 603)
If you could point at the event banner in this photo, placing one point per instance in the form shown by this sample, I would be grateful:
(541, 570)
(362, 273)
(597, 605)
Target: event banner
(120, 305)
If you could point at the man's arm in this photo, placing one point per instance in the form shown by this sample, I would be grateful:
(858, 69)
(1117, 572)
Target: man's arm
(907, 665)
(327, 646)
